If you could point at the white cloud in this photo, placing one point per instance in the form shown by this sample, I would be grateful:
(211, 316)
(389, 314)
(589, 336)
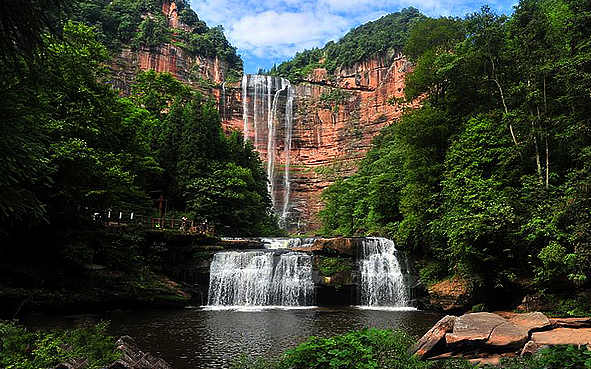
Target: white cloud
(281, 34)
(277, 29)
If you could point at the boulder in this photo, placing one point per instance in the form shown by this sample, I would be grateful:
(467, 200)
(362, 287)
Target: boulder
(535, 302)
(473, 327)
(425, 347)
(531, 348)
(531, 321)
(507, 336)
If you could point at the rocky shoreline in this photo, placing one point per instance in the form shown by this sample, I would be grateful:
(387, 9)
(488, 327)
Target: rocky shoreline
(488, 337)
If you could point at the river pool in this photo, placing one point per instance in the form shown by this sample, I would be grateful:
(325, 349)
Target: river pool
(198, 337)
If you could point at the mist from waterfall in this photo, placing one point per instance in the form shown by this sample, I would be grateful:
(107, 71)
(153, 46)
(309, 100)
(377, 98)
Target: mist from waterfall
(267, 105)
(381, 271)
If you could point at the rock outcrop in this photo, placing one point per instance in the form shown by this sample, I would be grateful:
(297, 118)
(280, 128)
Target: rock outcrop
(451, 295)
(193, 69)
(487, 335)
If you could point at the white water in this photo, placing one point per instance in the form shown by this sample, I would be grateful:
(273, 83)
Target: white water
(269, 101)
(381, 276)
(251, 279)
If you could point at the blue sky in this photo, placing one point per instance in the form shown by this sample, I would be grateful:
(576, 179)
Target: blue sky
(267, 32)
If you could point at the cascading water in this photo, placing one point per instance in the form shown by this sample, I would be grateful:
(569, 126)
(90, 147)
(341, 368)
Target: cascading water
(252, 279)
(292, 281)
(381, 274)
(267, 105)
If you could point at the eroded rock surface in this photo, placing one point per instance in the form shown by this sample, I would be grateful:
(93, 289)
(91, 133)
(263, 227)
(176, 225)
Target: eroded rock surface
(474, 327)
(479, 335)
(531, 321)
(563, 336)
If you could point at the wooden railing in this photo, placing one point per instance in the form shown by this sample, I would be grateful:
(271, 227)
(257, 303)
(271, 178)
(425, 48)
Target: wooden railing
(120, 219)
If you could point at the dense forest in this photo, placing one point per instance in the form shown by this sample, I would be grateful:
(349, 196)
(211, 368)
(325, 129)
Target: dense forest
(75, 150)
(387, 34)
(491, 178)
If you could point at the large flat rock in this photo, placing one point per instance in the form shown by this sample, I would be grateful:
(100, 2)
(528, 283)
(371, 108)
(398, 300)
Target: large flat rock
(508, 336)
(474, 327)
(531, 321)
(563, 336)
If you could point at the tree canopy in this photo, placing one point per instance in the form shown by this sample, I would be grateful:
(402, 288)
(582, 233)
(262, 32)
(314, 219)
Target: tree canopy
(491, 175)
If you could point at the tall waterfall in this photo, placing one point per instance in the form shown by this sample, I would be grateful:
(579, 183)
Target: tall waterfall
(381, 274)
(253, 279)
(267, 105)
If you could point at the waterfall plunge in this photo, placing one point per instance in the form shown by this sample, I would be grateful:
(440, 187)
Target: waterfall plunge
(252, 279)
(381, 275)
(267, 105)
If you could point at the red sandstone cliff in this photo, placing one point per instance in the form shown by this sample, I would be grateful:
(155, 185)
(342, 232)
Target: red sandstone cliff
(331, 131)
(185, 66)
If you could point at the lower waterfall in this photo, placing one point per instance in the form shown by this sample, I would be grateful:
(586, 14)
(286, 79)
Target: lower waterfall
(256, 278)
(381, 274)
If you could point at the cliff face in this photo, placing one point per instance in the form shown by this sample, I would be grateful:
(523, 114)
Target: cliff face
(185, 66)
(334, 117)
(334, 122)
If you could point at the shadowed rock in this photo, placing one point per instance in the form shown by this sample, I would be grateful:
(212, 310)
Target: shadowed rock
(426, 346)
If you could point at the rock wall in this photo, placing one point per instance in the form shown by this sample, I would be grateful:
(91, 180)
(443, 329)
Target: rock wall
(199, 71)
(335, 120)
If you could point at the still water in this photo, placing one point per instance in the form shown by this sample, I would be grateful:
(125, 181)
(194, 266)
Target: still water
(204, 338)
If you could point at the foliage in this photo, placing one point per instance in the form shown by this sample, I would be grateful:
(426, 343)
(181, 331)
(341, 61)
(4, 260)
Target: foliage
(386, 34)
(491, 175)
(367, 348)
(553, 357)
(23, 349)
(329, 266)
(435, 271)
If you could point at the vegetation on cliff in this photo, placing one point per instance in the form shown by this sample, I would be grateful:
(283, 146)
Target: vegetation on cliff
(492, 175)
(141, 23)
(387, 34)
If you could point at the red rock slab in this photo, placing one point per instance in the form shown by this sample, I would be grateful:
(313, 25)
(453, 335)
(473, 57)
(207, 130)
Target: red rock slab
(474, 327)
(563, 336)
(424, 347)
(571, 322)
(508, 335)
(530, 321)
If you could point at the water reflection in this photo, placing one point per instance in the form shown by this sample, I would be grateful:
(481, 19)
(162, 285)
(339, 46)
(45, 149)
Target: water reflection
(208, 338)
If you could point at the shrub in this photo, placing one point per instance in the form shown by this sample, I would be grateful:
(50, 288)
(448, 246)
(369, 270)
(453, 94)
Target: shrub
(20, 349)
(364, 349)
(329, 266)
